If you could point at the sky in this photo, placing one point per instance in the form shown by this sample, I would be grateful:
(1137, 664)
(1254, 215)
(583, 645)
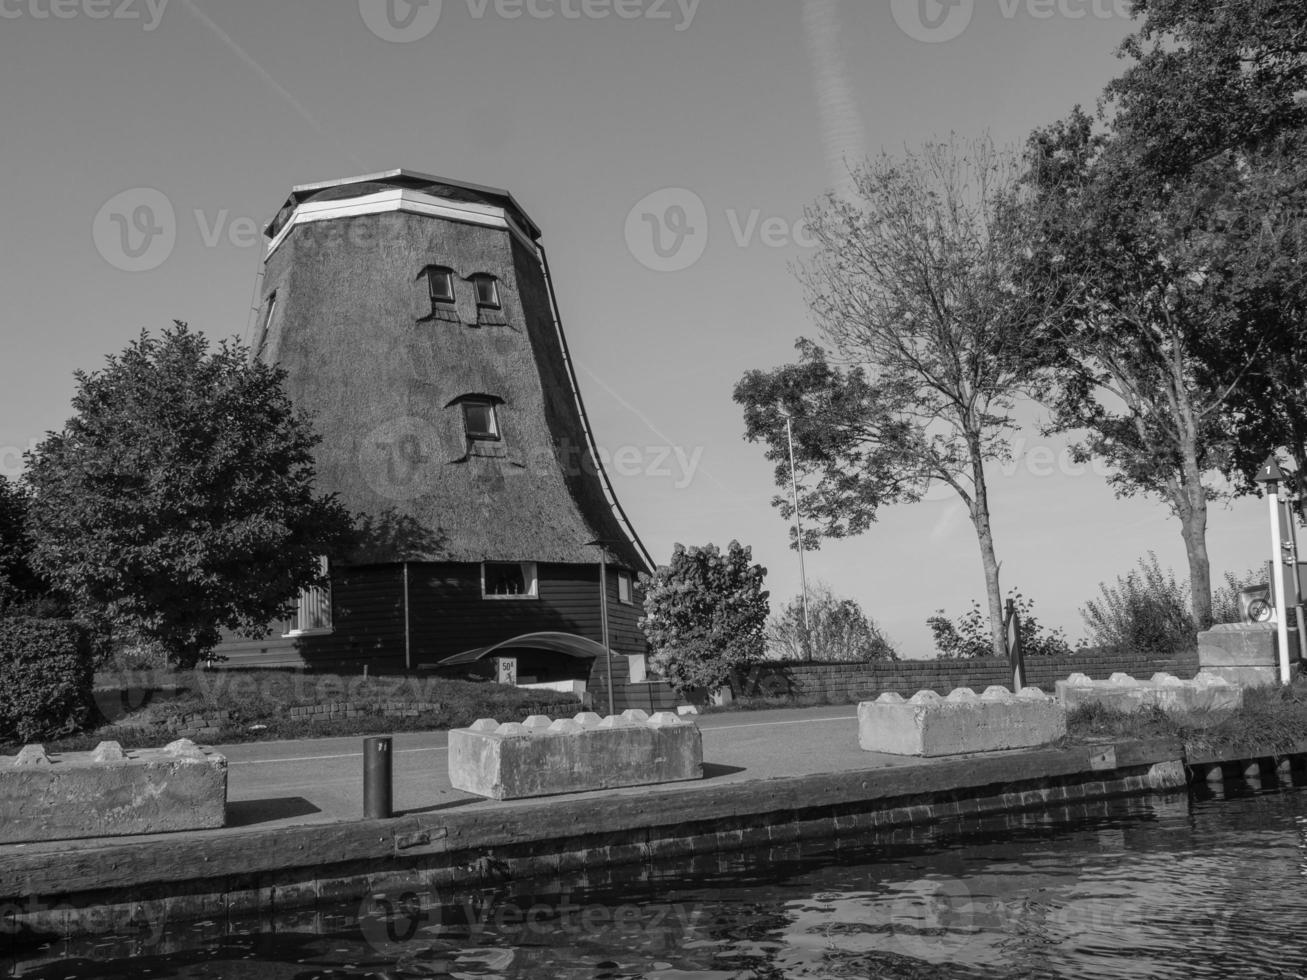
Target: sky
(667, 148)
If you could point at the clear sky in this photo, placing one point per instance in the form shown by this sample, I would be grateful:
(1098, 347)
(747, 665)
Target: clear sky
(609, 120)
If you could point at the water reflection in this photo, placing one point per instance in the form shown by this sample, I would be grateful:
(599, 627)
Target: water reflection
(1158, 888)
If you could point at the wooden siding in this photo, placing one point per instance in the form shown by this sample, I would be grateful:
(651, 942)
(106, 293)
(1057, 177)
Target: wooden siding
(447, 615)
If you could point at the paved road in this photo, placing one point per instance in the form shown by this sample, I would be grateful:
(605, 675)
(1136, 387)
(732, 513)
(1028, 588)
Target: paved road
(272, 783)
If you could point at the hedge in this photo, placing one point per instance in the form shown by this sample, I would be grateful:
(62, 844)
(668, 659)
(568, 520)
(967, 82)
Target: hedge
(46, 678)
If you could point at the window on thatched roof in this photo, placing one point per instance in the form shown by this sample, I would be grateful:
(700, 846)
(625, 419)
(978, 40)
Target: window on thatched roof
(509, 580)
(480, 421)
(487, 287)
(262, 340)
(440, 283)
(624, 587)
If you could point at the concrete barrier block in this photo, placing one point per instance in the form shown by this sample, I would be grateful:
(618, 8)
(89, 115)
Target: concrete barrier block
(110, 793)
(1241, 653)
(1206, 692)
(930, 725)
(575, 755)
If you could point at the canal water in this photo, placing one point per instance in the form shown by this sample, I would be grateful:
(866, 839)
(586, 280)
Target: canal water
(1176, 886)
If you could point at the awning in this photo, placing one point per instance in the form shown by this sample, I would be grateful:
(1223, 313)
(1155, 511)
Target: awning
(565, 643)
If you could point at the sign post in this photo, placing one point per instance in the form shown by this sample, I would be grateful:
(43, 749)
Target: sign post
(1271, 476)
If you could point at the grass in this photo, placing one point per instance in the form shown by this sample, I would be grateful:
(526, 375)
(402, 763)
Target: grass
(149, 709)
(1272, 720)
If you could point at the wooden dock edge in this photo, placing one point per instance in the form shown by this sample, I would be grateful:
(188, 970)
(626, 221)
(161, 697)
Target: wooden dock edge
(139, 885)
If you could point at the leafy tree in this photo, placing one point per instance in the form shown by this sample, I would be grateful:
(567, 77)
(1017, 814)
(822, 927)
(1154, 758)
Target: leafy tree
(929, 325)
(179, 498)
(1179, 224)
(837, 630)
(1214, 103)
(1150, 290)
(1145, 612)
(967, 638)
(705, 615)
(21, 588)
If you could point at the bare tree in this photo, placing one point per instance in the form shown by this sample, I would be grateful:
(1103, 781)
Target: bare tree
(928, 320)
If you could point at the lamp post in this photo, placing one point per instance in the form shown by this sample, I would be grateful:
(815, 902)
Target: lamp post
(1270, 477)
(798, 518)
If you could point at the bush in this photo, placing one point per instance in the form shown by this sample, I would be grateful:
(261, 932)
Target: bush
(1147, 612)
(1225, 598)
(968, 638)
(837, 631)
(45, 678)
(705, 615)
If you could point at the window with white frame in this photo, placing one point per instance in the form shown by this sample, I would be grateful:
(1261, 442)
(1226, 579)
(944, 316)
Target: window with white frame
(624, 588)
(509, 580)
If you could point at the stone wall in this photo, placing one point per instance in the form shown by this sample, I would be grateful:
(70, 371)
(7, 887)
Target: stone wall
(854, 682)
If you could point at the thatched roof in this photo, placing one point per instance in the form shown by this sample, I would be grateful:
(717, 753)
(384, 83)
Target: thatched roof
(352, 326)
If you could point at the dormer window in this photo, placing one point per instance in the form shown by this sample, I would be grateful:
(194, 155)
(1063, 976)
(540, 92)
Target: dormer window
(487, 287)
(480, 420)
(440, 284)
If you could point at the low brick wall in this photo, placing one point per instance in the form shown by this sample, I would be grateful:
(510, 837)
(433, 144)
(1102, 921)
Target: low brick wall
(854, 682)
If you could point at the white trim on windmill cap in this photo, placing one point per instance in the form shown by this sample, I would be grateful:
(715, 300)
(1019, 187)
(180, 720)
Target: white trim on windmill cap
(300, 191)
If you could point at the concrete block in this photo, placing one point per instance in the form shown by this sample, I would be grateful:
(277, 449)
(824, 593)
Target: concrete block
(1206, 692)
(574, 755)
(110, 793)
(1241, 653)
(930, 725)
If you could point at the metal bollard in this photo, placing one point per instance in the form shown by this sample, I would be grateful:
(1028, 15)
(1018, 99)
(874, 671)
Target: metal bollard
(378, 785)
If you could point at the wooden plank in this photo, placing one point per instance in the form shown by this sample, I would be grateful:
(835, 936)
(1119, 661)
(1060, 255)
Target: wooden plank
(1214, 756)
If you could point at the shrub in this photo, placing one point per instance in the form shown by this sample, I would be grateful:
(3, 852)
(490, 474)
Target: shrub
(45, 678)
(837, 631)
(1147, 612)
(1225, 598)
(968, 638)
(705, 615)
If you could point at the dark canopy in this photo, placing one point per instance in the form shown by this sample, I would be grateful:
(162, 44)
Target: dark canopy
(566, 643)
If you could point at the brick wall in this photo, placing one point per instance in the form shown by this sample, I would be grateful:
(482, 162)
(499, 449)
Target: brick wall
(853, 682)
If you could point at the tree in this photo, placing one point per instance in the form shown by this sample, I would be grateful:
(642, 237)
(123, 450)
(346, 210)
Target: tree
(20, 586)
(179, 500)
(1215, 100)
(1147, 290)
(929, 323)
(705, 615)
(1178, 222)
(837, 630)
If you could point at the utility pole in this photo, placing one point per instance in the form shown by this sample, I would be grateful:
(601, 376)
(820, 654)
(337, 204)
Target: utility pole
(798, 518)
